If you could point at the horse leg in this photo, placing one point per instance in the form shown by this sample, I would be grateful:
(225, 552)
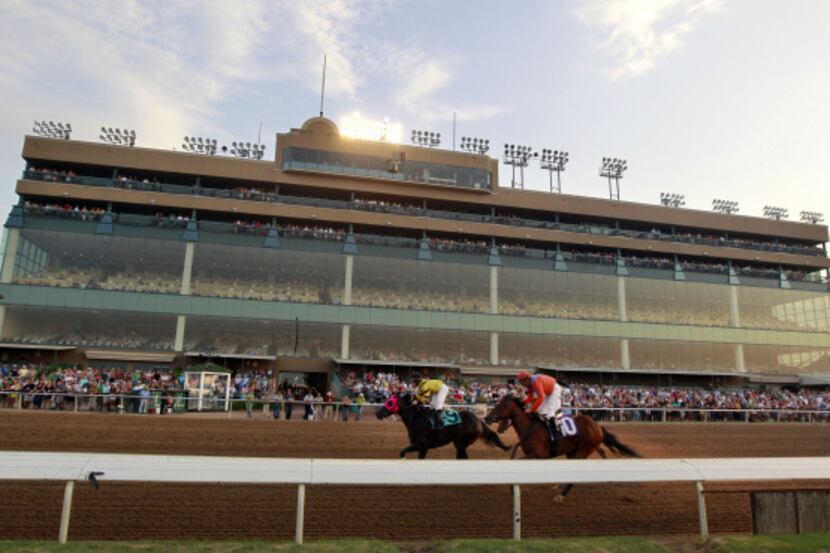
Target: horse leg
(409, 449)
(602, 453)
(461, 453)
(422, 454)
(515, 449)
(562, 493)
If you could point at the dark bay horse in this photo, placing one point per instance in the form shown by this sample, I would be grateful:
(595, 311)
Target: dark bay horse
(423, 437)
(534, 437)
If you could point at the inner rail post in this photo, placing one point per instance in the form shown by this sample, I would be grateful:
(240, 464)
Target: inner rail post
(298, 532)
(701, 511)
(517, 512)
(63, 533)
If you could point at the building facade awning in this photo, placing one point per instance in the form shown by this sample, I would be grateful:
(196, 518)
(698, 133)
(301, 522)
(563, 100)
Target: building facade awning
(231, 356)
(36, 346)
(412, 364)
(127, 355)
(643, 371)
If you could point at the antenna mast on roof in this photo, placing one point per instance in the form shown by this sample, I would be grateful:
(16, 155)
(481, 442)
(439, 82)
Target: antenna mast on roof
(323, 86)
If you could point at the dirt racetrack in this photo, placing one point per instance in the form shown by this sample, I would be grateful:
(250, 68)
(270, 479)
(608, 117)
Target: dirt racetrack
(31, 510)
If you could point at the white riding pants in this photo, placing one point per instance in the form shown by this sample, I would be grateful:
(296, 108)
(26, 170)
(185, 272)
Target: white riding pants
(552, 403)
(438, 398)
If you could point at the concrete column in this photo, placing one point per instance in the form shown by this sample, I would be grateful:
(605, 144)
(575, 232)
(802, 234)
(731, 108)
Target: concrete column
(344, 341)
(740, 366)
(347, 287)
(621, 299)
(188, 268)
(9, 256)
(734, 313)
(178, 345)
(345, 336)
(625, 358)
(494, 348)
(494, 290)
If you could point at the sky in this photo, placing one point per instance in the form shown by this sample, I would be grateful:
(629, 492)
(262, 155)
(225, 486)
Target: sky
(724, 99)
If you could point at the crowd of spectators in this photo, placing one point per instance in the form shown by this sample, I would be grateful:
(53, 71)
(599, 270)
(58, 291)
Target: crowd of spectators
(388, 206)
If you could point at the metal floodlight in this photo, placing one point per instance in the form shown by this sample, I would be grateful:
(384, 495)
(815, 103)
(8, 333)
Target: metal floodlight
(426, 139)
(613, 168)
(51, 129)
(475, 145)
(813, 217)
(554, 160)
(774, 212)
(199, 145)
(247, 150)
(117, 137)
(518, 156)
(672, 200)
(726, 207)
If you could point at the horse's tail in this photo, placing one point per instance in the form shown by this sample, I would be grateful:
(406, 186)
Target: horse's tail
(491, 438)
(617, 446)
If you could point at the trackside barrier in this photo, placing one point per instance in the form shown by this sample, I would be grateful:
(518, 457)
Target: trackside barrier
(72, 467)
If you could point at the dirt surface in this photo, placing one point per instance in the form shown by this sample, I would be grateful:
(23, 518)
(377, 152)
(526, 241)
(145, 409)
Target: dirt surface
(31, 510)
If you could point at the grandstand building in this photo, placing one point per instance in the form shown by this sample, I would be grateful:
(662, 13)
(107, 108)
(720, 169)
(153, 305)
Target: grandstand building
(342, 252)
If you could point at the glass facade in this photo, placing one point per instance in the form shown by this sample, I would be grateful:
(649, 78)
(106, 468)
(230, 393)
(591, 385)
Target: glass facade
(546, 293)
(89, 328)
(677, 302)
(122, 291)
(421, 285)
(523, 350)
(99, 262)
(267, 274)
(419, 345)
(376, 167)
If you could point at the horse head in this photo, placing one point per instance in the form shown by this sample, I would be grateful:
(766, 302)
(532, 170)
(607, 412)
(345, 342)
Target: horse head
(503, 410)
(390, 407)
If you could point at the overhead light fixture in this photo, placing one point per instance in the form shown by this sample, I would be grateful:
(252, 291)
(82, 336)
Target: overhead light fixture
(475, 145)
(813, 217)
(361, 128)
(613, 168)
(117, 137)
(51, 129)
(726, 207)
(554, 160)
(199, 145)
(518, 156)
(777, 213)
(247, 150)
(426, 139)
(670, 199)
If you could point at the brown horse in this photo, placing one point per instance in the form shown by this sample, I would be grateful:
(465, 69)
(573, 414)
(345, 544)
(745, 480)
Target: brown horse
(534, 437)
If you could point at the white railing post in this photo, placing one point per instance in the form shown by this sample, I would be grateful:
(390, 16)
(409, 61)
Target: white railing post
(701, 511)
(517, 512)
(298, 532)
(67, 510)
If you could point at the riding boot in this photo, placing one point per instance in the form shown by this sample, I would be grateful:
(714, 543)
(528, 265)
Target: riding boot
(553, 428)
(438, 419)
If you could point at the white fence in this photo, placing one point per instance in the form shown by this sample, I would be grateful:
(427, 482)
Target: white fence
(72, 467)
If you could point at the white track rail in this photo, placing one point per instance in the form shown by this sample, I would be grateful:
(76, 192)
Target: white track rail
(72, 467)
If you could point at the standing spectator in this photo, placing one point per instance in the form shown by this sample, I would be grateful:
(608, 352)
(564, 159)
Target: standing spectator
(249, 402)
(328, 409)
(345, 408)
(278, 399)
(289, 403)
(358, 407)
(145, 400)
(309, 408)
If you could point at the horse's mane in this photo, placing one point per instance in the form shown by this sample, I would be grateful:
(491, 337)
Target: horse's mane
(518, 401)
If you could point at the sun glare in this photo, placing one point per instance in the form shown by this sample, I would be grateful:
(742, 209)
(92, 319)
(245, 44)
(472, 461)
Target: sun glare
(356, 126)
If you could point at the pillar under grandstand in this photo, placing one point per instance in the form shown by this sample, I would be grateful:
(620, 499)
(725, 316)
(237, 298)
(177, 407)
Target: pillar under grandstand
(187, 271)
(740, 366)
(12, 243)
(625, 357)
(494, 348)
(344, 341)
(345, 335)
(621, 299)
(734, 313)
(494, 290)
(178, 344)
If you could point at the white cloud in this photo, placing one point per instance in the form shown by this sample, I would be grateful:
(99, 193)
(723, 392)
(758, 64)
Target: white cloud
(641, 33)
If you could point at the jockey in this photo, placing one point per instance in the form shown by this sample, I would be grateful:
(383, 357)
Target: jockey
(544, 395)
(434, 391)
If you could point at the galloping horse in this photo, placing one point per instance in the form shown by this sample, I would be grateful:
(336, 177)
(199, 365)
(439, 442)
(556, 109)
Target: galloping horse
(423, 437)
(534, 437)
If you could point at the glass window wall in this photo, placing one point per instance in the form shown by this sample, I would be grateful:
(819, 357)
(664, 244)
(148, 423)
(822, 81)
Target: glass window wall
(566, 295)
(268, 274)
(786, 359)
(522, 350)
(660, 355)
(686, 303)
(92, 261)
(420, 285)
(784, 309)
(419, 345)
(89, 328)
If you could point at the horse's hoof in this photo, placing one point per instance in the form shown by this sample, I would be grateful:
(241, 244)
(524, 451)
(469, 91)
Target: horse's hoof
(559, 498)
